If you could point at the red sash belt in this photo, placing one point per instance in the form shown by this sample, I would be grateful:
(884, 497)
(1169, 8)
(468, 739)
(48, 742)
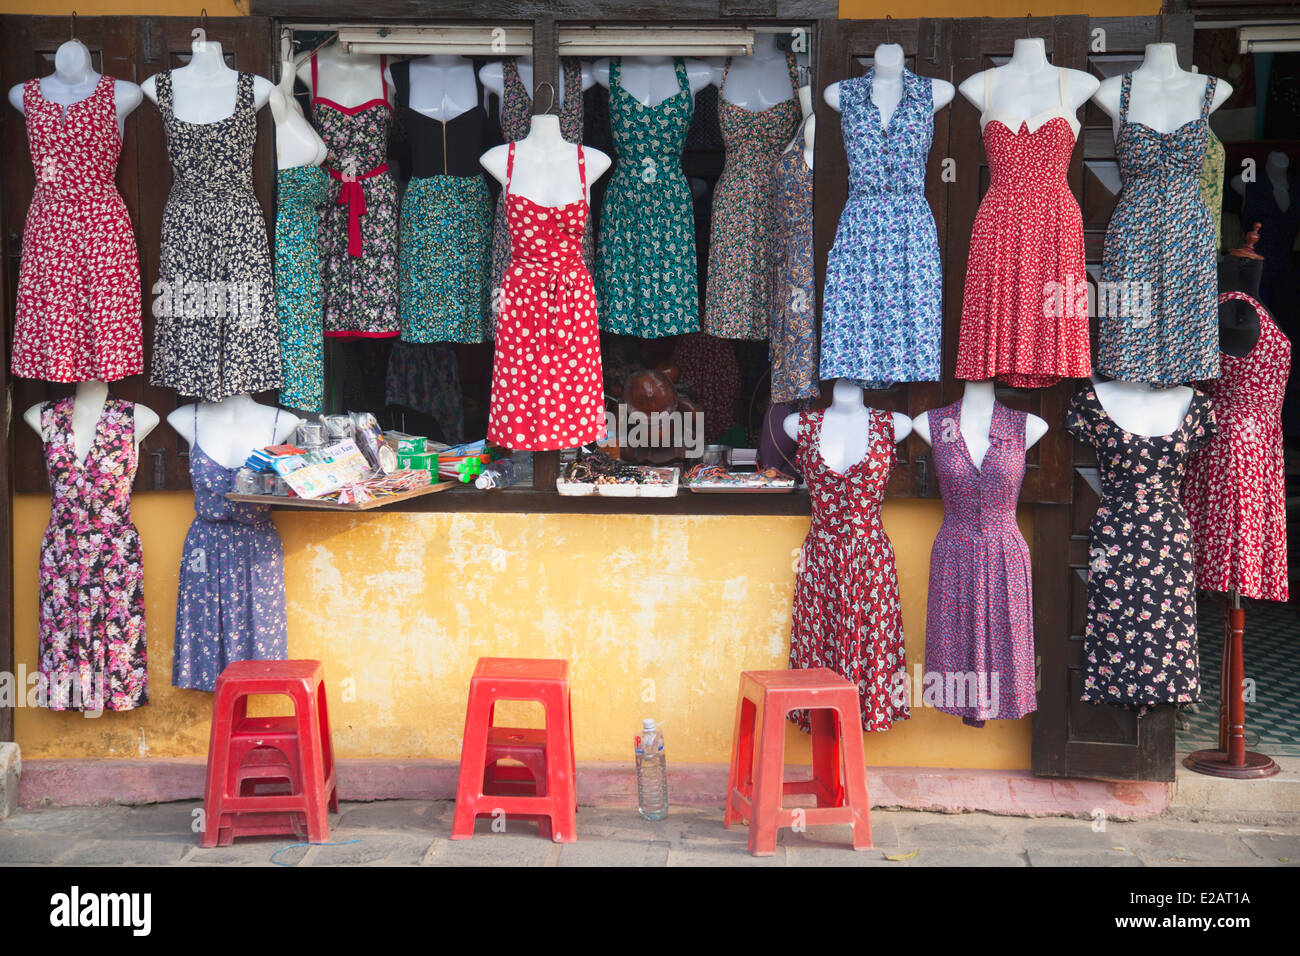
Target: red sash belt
(353, 195)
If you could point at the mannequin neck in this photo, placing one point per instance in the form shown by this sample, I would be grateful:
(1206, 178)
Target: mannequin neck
(977, 397)
(648, 60)
(72, 63)
(444, 60)
(1029, 54)
(91, 394)
(765, 48)
(1237, 274)
(544, 130)
(208, 60)
(1160, 60)
(846, 398)
(888, 61)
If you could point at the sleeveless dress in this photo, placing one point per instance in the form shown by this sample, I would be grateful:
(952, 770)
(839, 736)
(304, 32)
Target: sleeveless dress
(1236, 485)
(216, 332)
(358, 227)
(792, 347)
(1140, 645)
(881, 313)
(979, 623)
(1212, 173)
(446, 227)
(547, 391)
(516, 120)
(1024, 317)
(846, 611)
(647, 278)
(230, 606)
(1158, 322)
(78, 316)
(300, 193)
(739, 289)
(92, 633)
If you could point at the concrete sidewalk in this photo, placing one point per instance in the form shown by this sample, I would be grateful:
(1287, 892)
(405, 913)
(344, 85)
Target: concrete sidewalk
(410, 832)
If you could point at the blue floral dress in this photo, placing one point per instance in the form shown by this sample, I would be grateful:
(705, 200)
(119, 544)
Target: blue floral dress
(881, 312)
(230, 605)
(793, 318)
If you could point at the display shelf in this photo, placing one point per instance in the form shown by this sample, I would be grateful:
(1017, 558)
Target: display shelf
(317, 504)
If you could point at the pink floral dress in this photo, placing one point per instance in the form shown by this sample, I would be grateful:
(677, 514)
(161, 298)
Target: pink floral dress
(92, 636)
(846, 611)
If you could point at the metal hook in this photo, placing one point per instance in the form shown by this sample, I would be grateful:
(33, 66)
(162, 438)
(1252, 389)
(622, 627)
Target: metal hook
(551, 87)
(203, 17)
(72, 27)
(889, 32)
(1028, 20)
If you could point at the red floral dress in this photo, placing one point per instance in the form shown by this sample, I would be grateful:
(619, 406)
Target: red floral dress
(78, 315)
(1235, 491)
(846, 611)
(547, 390)
(92, 636)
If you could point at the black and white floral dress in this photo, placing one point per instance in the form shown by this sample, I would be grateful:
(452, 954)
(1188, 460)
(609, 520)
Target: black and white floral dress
(216, 332)
(1140, 645)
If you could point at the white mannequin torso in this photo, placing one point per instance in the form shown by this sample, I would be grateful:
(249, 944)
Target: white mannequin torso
(493, 77)
(1162, 97)
(977, 401)
(845, 433)
(205, 90)
(229, 430)
(1028, 89)
(87, 410)
(296, 142)
(757, 82)
(546, 165)
(1142, 410)
(345, 79)
(1276, 168)
(73, 80)
(442, 86)
(887, 84)
(652, 79)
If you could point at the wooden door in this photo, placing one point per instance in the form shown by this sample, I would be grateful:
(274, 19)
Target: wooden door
(1072, 738)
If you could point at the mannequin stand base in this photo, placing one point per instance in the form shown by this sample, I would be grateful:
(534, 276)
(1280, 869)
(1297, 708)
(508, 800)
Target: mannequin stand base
(1215, 763)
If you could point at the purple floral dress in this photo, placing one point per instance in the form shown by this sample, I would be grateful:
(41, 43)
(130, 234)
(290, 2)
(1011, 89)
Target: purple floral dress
(230, 605)
(92, 635)
(881, 319)
(979, 625)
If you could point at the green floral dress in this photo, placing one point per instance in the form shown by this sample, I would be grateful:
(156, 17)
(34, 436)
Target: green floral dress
(646, 272)
(1212, 168)
(300, 193)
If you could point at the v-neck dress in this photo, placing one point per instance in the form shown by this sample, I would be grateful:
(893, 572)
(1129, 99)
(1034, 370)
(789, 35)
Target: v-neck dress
(446, 225)
(979, 622)
(881, 318)
(1024, 314)
(1236, 485)
(217, 332)
(516, 120)
(92, 633)
(78, 312)
(1139, 648)
(1158, 319)
(230, 603)
(358, 227)
(847, 615)
(647, 277)
(739, 288)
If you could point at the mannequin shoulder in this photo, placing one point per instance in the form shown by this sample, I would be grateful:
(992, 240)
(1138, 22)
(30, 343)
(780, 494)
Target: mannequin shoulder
(182, 422)
(491, 74)
(495, 161)
(262, 88)
(127, 96)
(146, 420)
(699, 74)
(972, 88)
(1222, 92)
(33, 417)
(790, 425)
(598, 163)
(600, 71)
(1107, 95)
(921, 425)
(16, 97)
(588, 77)
(902, 426)
(302, 69)
(150, 87)
(831, 96)
(1081, 86)
(942, 91)
(1035, 429)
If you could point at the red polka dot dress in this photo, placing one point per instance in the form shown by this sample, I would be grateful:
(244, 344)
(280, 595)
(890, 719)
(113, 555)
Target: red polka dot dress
(547, 391)
(78, 316)
(1024, 318)
(1235, 490)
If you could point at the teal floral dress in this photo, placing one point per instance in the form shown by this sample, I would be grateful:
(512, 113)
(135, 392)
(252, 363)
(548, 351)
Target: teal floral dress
(646, 273)
(300, 193)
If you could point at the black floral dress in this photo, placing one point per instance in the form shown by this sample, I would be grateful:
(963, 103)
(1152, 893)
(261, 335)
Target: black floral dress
(217, 333)
(1140, 644)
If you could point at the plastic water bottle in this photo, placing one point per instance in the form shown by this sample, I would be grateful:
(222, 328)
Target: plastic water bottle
(499, 474)
(651, 772)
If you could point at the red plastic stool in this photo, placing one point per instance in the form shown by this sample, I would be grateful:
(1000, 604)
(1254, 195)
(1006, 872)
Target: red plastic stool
(547, 755)
(757, 782)
(269, 775)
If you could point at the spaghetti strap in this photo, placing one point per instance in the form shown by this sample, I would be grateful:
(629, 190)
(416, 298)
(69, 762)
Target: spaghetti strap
(1063, 86)
(1126, 84)
(244, 98)
(510, 168)
(164, 88)
(683, 78)
(793, 66)
(615, 72)
(582, 171)
(275, 425)
(195, 443)
(726, 68)
(1208, 100)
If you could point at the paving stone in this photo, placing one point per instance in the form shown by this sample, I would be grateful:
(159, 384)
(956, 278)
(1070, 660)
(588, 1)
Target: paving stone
(156, 819)
(17, 846)
(701, 855)
(389, 849)
(494, 849)
(1059, 857)
(1187, 843)
(248, 851)
(623, 852)
(124, 853)
(1274, 847)
(390, 815)
(70, 821)
(960, 856)
(956, 833)
(1075, 834)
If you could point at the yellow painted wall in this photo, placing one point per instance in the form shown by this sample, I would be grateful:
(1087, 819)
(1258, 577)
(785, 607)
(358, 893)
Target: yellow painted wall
(402, 605)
